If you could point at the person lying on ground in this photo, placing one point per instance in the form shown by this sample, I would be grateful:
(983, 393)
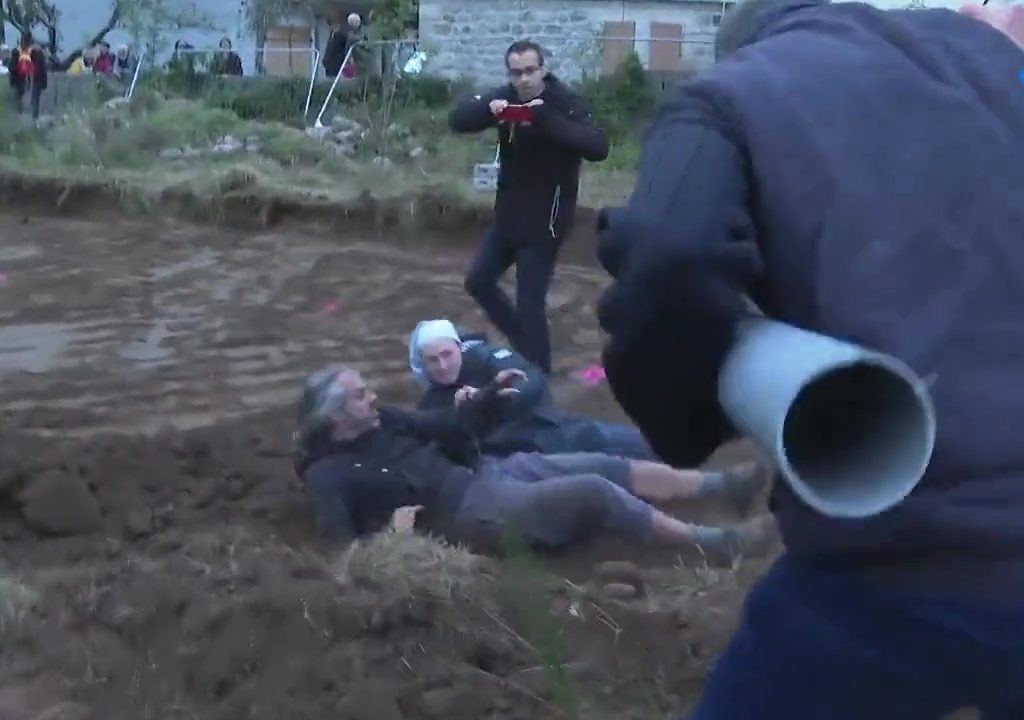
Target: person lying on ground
(361, 463)
(452, 365)
(856, 172)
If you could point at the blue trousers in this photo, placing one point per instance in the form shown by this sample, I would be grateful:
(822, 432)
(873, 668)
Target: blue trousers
(824, 645)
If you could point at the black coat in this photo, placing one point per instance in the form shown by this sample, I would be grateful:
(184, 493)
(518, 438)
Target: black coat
(540, 162)
(39, 74)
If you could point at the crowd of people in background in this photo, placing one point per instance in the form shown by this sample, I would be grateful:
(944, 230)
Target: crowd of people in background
(28, 65)
(26, 69)
(349, 50)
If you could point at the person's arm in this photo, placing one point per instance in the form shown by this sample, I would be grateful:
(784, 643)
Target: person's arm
(330, 503)
(473, 114)
(573, 129)
(455, 427)
(529, 392)
(685, 257)
(435, 398)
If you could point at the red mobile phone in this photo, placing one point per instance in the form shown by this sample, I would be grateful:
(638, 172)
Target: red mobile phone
(516, 113)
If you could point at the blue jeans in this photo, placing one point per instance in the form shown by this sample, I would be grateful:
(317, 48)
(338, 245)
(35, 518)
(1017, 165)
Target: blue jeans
(825, 644)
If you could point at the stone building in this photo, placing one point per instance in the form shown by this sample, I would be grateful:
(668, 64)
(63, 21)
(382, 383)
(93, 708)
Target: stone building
(468, 38)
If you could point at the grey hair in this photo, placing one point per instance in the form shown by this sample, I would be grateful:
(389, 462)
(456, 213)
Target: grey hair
(321, 403)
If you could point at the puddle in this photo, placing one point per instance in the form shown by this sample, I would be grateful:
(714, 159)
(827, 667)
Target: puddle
(151, 345)
(17, 252)
(148, 348)
(198, 261)
(33, 348)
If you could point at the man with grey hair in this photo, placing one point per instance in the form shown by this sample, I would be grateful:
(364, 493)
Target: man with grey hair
(856, 172)
(367, 467)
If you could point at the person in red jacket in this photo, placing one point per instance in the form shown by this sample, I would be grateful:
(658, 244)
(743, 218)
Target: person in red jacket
(27, 74)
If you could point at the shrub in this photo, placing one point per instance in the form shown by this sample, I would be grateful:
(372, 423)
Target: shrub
(623, 101)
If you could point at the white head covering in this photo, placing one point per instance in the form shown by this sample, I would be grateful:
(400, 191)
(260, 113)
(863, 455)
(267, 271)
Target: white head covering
(425, 333)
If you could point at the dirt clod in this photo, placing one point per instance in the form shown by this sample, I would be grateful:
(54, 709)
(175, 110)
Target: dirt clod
(60, 504)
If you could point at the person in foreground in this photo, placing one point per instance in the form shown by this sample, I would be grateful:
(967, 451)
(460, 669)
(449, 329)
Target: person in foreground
(856, 172)
(450, 366)
(365, 467)
(540, 152)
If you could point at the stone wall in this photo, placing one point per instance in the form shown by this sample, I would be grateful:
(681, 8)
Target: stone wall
(468, 39)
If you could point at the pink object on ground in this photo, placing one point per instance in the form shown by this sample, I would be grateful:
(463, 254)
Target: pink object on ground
(592, 375)
(330, 307)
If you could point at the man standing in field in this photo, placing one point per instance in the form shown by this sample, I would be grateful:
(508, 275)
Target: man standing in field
(857, 172)
(544, 132)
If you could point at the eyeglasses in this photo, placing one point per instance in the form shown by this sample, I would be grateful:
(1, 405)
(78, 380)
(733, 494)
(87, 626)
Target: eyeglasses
(520, 72)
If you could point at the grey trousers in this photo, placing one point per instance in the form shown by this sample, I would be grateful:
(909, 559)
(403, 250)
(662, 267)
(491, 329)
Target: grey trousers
(550, 502)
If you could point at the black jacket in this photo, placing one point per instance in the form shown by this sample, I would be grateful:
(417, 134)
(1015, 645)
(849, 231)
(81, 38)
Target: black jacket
(39, 75)
(515, 423)
(540, 162)
(228, 64)
(334, 53)
(414, 458)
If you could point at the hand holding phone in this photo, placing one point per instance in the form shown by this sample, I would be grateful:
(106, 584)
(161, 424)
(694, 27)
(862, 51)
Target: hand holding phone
(517, 113)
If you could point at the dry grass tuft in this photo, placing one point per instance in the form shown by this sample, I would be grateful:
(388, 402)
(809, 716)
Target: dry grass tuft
(16, 601)
(408, 566)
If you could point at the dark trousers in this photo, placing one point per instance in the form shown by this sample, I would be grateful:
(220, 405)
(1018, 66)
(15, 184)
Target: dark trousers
(525, 323)
(34, 92)
(825, 644)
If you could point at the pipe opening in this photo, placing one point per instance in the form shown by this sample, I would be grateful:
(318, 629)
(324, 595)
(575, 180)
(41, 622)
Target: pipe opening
(858, 438)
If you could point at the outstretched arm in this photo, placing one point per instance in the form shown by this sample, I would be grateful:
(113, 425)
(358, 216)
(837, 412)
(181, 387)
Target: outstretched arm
(529, 391)
(473, 114)
(574, 129)
(684, 257)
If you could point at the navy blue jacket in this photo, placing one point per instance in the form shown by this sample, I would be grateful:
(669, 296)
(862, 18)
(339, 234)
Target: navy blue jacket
(527, 421)
(872, 164)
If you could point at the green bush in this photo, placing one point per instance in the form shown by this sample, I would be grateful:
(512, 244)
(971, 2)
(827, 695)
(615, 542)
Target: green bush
(624, 101)
(268, 99)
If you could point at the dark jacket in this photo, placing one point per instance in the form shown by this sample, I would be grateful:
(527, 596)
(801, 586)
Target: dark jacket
(540, 163)
(334, 53)
(414, 458)
(882, 194)
(229, 63)
(517, 423)
(39, 74)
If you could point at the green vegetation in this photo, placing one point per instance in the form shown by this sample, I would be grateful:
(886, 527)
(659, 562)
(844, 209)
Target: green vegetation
(187, 129)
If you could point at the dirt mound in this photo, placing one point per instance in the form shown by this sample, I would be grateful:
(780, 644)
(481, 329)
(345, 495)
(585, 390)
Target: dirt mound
(236, 202)
(159, 557)
(199, 589)
(131, 486)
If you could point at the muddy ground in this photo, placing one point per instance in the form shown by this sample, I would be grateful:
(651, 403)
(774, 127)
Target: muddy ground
(167, 564)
